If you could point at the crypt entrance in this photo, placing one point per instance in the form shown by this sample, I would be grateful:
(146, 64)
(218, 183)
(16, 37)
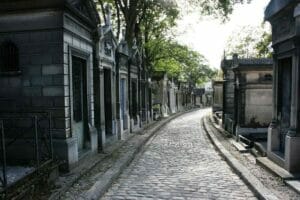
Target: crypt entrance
(79, 102)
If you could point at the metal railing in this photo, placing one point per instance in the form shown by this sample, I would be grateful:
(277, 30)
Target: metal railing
(37, 132)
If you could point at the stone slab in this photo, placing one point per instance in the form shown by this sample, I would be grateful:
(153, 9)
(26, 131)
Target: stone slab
(239, 147)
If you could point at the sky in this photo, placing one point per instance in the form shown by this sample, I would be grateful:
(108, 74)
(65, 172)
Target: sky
(209, 36)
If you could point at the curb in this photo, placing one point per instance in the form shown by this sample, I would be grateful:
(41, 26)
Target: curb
(106, 180)
(254, 184)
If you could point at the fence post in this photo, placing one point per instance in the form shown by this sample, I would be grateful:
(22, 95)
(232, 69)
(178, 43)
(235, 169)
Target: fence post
(3, 154)
(36, 142)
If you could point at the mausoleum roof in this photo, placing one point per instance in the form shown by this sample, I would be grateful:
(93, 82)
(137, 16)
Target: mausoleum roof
(255, 61)
(276, 6)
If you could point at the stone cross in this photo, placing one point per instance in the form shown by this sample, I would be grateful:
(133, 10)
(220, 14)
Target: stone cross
(108, 15)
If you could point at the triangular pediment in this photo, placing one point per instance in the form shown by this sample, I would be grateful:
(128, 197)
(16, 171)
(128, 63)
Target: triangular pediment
(86, 8)
(108, 41)
(136, 56)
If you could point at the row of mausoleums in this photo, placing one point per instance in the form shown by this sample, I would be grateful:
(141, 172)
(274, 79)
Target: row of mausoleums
(261, 99)
(68, 87)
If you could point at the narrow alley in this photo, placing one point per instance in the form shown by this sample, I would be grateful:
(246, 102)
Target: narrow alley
(179, 162)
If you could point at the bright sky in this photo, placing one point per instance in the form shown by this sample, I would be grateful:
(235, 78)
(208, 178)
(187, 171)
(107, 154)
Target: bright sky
(209, 36)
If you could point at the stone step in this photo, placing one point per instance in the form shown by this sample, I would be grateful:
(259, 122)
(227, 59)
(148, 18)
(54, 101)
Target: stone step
(240, 147)
(277, 170)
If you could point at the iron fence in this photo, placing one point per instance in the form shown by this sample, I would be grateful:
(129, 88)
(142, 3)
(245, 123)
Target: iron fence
(29, 133)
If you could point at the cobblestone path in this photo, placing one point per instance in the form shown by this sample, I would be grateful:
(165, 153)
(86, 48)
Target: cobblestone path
(179, 163)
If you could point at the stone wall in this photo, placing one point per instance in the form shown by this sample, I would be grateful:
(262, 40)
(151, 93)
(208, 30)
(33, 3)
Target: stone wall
(258, 108)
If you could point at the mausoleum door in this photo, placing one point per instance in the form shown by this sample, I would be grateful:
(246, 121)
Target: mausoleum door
(134, 100)
(79, 81)
(123, 103)
(108, 102)
(284, 98)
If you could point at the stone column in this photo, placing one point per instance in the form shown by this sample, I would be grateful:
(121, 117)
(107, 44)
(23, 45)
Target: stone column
(292, 146)
(117, 92)
(101, 136)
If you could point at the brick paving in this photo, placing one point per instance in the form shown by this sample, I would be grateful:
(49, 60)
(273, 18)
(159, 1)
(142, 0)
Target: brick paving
(179, 163)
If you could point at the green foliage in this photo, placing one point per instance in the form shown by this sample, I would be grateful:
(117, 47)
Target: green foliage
(150, 22)
(263, 46)
(180, 62)
(250, 42)
(217, 8)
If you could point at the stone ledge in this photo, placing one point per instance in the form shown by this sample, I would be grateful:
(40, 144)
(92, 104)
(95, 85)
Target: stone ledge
(276, 169)
(239, 147)
(294, 184)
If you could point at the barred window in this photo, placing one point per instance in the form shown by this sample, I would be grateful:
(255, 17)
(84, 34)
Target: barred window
(9, 57)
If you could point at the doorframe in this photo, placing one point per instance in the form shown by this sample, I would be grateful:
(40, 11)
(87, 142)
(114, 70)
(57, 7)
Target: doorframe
(111, 109)
(73, 51)
(278, 94)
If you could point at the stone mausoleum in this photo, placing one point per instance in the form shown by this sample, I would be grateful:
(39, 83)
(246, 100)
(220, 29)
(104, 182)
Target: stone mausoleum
(217, 104)
(105, 96)
(283, 133)
(253, 96)
(47, 65)
(228, 95)
(247, 95)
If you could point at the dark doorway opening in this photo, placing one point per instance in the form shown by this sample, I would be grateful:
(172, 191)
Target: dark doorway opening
(144, 110)
(284, 98)
(169, 101)
(123, 104)
(134, 100)
(108, 102)
(79, 100)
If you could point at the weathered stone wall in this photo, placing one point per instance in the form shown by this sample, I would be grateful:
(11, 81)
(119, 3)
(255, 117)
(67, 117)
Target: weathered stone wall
(78, 42)
(258, 107)
(39, 85)
(229, 93)
(217, 97)
(256, 87)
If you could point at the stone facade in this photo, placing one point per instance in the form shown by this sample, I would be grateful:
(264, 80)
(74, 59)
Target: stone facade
(64, 62)
(122, 89)
(247, 92)
(253, 96)
(106, 94)
(168, 97)
(228, 95)
(283, 132)
(134, 88)
(217, 104)
(198, 94)
(55, 44)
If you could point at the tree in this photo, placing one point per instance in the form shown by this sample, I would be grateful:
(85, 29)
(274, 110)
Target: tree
(180, 62)
(217, 8)
(149, 21)
(250, 42)
(263, 47)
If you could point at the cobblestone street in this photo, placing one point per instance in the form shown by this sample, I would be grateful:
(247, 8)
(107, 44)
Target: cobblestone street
(179, 163)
